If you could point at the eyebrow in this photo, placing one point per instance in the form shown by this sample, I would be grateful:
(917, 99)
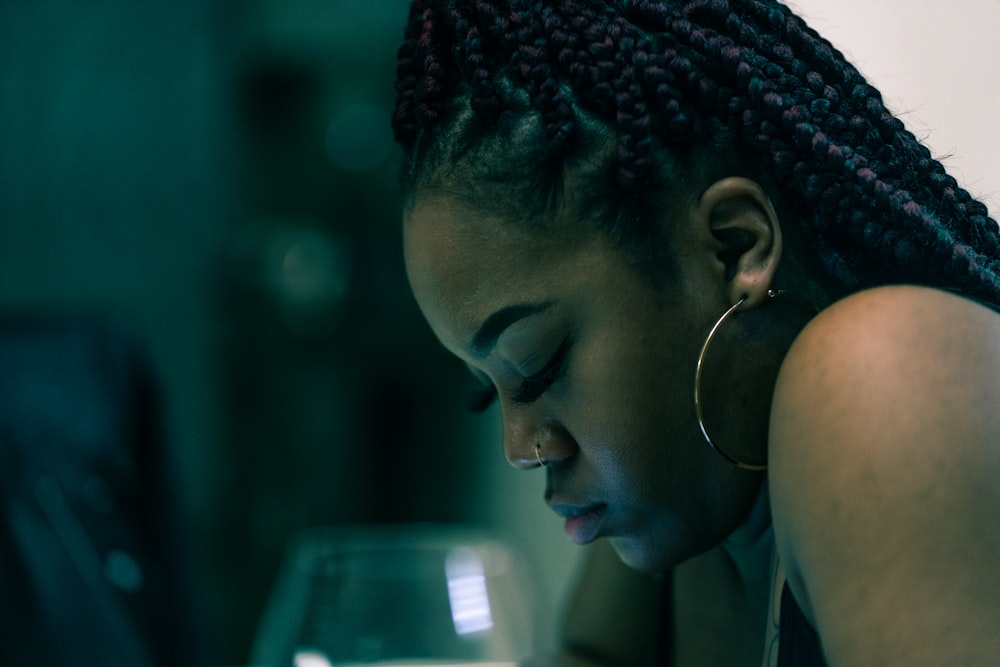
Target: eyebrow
(485, 339)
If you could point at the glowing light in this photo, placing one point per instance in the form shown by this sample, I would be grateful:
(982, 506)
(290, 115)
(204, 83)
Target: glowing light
(123, 570)
(470, 601)
(310, 657)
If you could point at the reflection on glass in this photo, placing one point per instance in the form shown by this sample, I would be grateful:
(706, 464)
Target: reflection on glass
(305, 657)
(397, 595)
(470, 601)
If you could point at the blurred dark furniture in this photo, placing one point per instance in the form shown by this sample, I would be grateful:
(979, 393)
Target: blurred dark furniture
(90, 570)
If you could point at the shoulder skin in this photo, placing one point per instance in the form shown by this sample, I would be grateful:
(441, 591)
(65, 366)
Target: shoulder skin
(885, 478)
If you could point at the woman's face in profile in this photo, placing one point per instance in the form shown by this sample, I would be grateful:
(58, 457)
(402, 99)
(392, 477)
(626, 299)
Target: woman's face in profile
(590, 361)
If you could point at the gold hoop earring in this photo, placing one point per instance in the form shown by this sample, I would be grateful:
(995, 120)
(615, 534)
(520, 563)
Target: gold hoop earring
(699, 413)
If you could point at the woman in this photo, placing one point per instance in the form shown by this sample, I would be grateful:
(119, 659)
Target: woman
(609, 204)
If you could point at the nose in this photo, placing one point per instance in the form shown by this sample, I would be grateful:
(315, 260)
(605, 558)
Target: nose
(531, 442)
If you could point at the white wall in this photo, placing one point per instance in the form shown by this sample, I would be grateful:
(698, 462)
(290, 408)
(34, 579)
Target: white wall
(934, 63)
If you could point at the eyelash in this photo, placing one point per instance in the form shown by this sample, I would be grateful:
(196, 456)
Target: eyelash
(532, 387)
(536, 385)
(483, 399)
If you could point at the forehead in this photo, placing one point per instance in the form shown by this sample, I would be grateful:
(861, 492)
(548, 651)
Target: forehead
(463, 263)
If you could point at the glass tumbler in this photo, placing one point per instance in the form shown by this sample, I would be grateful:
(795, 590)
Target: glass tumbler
(397, 595)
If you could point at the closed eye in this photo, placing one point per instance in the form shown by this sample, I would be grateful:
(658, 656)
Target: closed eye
(534, 386)
(483, 399)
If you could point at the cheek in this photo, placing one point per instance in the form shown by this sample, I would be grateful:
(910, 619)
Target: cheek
(638, 399)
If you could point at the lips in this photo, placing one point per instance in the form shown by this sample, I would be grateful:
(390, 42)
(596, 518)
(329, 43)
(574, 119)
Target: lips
(583, 522)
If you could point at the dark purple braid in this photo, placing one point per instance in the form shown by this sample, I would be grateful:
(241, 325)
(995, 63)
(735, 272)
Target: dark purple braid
(670, 77)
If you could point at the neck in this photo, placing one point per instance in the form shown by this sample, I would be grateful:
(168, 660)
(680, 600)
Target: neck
(750, 549)
(722, 597)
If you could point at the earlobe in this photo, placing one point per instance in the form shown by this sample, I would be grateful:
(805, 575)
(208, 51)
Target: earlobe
(745, 226)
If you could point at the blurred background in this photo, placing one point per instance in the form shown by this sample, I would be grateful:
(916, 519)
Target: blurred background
(217, 179)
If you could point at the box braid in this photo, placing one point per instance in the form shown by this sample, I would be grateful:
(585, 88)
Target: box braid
(666, 77)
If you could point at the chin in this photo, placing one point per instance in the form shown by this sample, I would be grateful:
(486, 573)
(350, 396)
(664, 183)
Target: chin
(641, 555)
(658, 551)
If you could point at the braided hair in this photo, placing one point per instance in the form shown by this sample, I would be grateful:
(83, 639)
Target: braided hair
(511, 98)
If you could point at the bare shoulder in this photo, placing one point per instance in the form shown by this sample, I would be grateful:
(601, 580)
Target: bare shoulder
(881, 347)
(885, 462)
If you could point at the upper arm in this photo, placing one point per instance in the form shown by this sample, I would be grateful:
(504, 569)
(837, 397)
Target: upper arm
(885, 478)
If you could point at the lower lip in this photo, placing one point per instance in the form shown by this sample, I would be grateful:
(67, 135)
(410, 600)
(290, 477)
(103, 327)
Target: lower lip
(584, 529)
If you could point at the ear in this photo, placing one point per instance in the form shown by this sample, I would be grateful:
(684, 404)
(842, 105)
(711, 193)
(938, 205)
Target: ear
(747, 234)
